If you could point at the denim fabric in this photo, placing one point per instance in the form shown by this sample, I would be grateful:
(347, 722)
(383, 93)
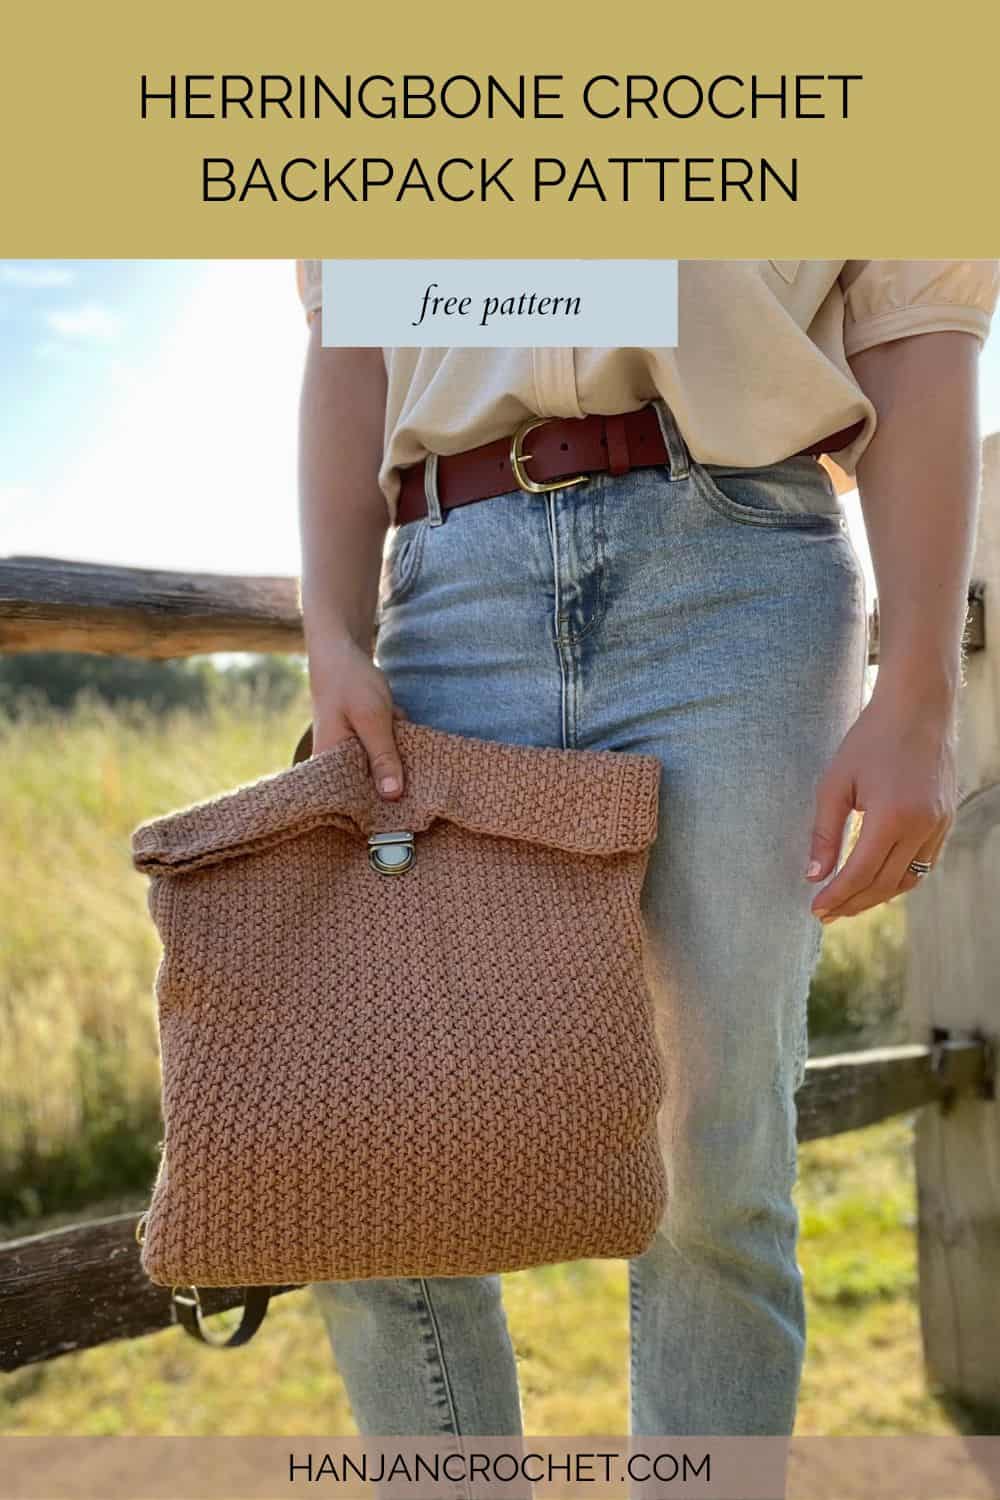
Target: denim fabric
(715, 618)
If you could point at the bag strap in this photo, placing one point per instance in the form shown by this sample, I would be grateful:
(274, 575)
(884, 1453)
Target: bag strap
(303, 749)
(187, 1305)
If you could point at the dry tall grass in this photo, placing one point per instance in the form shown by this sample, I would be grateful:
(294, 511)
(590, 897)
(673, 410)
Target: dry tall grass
(78, 953)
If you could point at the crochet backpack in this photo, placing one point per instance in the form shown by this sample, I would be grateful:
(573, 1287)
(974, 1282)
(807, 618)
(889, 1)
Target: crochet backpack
(407, 1038)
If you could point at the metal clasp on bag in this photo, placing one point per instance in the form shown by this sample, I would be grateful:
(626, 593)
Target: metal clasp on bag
(391, 853)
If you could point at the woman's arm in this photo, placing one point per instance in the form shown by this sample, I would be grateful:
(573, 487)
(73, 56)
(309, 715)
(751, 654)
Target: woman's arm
(918, 482)
(342, 526)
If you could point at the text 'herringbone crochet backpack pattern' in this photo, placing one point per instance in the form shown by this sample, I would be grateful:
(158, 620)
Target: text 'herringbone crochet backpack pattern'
(410, 1038)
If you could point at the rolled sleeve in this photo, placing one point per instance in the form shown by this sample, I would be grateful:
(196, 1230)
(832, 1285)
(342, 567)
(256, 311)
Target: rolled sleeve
(309, 276)
(892, 299)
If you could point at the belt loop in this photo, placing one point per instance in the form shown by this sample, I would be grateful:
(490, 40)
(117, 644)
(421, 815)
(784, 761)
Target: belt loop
(676, 447)
(616, 438)
(434, 514)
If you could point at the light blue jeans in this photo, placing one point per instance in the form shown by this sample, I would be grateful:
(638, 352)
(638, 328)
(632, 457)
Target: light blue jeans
(715, 618)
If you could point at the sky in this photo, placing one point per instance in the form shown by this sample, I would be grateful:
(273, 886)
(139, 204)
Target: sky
(148, 413)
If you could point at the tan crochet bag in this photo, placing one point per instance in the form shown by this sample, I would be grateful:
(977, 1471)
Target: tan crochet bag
(410, 1038)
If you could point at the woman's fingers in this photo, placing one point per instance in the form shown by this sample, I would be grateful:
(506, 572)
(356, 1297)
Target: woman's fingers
(887, 883)
(834, 801)
(859, 871)
(373, 726)
(878, 868)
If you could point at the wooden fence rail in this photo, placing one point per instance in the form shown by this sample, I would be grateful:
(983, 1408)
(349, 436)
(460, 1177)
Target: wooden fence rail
(52, 604)
(58, 604)
(81, 1286)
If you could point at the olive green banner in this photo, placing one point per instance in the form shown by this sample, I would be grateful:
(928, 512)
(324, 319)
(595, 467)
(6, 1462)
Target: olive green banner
(242, 129)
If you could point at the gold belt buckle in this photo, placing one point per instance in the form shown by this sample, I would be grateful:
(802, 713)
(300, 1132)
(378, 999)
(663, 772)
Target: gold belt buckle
(519, 458)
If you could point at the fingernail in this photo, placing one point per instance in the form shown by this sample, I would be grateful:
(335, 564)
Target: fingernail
(814, 869)
(388, 785)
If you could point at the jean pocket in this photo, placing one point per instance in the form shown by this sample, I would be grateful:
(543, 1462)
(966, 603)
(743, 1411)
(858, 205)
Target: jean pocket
(797, 493)
(401, 561)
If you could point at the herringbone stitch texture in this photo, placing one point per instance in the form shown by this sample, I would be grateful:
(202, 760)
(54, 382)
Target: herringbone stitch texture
(452, 1071)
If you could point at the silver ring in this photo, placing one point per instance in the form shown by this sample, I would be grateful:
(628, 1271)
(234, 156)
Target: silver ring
(920, 867)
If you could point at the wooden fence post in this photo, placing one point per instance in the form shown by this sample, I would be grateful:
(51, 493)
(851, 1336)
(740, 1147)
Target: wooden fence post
(953, 984)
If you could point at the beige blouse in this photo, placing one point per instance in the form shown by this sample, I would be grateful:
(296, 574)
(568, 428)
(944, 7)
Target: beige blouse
(759, 372)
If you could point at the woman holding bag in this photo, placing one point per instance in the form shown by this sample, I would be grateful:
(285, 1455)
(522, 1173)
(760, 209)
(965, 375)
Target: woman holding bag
(638, 549)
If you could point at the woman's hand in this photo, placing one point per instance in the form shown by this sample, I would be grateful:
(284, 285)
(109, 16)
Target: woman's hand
(351, 697)
(896, 765)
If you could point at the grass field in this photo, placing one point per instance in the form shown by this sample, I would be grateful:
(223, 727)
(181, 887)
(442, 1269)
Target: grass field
(79, 1122)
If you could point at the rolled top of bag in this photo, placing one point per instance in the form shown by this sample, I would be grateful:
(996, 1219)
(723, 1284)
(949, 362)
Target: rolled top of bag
(599, 802)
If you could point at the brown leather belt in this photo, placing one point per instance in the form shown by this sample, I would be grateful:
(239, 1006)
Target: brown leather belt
(562, 452)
